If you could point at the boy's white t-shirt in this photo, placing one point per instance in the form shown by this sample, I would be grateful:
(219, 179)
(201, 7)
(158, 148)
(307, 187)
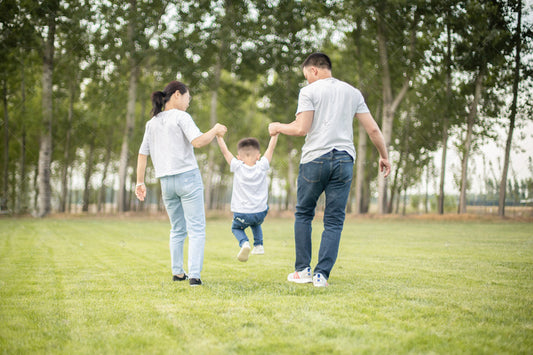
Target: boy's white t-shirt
(250, 186)
(335, 104)
(167, 139)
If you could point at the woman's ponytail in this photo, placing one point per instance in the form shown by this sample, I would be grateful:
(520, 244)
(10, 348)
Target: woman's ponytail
(158, 102)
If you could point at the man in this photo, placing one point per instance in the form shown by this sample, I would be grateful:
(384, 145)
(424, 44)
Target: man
(326, 108)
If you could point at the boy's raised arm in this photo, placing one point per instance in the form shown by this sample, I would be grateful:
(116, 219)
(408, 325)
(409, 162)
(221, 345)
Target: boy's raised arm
(224, 149)
(271, 145)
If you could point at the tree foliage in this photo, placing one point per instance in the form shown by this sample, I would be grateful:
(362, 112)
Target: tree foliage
(241, 60)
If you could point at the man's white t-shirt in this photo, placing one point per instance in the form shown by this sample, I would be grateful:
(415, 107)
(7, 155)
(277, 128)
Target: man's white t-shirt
(335, 104)
(167, 139)
(250, 186)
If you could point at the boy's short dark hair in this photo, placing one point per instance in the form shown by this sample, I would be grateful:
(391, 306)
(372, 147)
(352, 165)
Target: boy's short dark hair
(248, 143)
(319, 60)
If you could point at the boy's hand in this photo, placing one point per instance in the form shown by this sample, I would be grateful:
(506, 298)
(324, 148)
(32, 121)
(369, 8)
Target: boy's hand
(273, 128)
(224, 149)
(220, 130)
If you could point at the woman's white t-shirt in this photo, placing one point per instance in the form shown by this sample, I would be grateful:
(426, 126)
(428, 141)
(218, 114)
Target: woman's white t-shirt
(335, 104)
(167, 139)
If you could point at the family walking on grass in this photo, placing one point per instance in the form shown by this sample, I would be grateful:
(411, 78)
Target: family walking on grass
(326, 108)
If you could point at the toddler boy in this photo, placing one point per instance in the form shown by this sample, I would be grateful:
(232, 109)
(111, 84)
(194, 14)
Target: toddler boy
(250, 191)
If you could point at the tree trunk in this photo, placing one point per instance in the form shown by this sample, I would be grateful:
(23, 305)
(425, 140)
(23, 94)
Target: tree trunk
(395, 187)
(387, 115)
(360, 156)
(390, 104)
(23, 196)
(102, 198)
(66, 155)
(503, 181)
(445, 123)
(88, 174)
(134, 69)
(213, 118)
(291, 177)
(360, 169)
(45, 149)
(35, 182)
(5, 172)
(69, 196)
(404, 201)
(369, 155)
(468, 141)
(426, 199)
(398, 200)
(128, 131)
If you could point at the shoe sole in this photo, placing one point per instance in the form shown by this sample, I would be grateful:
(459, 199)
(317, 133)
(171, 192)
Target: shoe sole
(320, 285)
(243, 254)
(258, 253)
(300, 281)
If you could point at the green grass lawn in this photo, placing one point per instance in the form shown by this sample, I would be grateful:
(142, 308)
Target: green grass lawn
(103, 286)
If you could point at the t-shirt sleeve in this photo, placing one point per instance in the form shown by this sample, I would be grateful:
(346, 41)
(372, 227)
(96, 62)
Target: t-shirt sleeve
(305, 101)
(189, 128)
(361, 104)
(234, 165)
(264, 164)
(145, 145)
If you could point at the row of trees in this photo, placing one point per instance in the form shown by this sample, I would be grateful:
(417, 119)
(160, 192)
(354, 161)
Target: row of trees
(77, 76)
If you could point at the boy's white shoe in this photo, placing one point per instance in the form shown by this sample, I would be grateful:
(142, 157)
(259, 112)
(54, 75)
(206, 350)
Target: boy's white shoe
(301, 277)
(245, 250)
(258, 250)
(320, 281)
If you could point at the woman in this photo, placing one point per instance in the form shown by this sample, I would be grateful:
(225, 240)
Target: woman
(169, 139)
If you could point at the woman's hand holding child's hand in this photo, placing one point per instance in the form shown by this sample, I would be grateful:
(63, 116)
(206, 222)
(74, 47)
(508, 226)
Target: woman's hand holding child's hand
(220, 130)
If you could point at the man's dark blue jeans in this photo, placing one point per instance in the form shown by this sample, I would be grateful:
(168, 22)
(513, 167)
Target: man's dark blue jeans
(331, 173)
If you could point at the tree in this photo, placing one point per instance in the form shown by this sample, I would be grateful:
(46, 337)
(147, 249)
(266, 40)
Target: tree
(448, 104)
(512, 117)
(359, 44)
(407, 17)
(222, 33)
(128, 48)
(283, 42)
(73, 52)
(49, 13)
(482, 46)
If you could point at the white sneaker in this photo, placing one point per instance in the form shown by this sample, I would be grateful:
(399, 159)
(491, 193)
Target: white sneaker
(320, 281)
(245, 250)
(301, 277)
(258, 250)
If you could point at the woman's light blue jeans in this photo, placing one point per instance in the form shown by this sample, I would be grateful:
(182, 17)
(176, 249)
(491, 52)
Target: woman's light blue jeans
(333, 174)
(183, 195)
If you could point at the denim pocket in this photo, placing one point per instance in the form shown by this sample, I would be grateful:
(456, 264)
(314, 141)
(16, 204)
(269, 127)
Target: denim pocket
(165, 187)
(189, 182)
(346, 171)
(311, 171)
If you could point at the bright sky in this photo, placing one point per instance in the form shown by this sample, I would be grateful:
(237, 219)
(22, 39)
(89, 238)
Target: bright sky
(492, 152)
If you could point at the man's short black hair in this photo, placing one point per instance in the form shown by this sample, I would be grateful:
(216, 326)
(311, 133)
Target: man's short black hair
(319, 60)
(248, 143)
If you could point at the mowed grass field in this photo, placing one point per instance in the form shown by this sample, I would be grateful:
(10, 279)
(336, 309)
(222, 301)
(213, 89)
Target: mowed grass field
(103, 286)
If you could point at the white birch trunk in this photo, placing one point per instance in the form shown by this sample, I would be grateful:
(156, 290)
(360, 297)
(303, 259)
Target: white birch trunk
(45, 148)
(468, 143)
